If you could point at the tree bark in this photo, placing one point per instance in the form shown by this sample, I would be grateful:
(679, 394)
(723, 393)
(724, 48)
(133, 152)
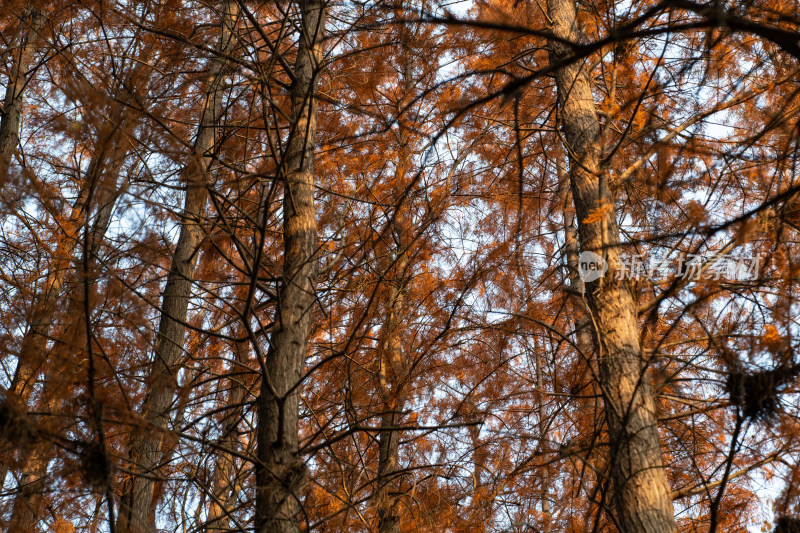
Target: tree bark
(582, 323)
(137, 505)
(544, 446)
(641, 491)
(393, 377)
(30, 27)
(280, 471)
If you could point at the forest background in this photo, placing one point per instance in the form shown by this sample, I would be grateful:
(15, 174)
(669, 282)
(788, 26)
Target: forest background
(324, 266)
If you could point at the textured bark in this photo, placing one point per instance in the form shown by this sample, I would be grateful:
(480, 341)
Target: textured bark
(582, 323)
(137, 505)
(544, 443)
(30, 27)
(641, 491)
(280, 472)
(393, 377)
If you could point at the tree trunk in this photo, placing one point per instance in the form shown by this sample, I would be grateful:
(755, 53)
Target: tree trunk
(280, 471)
(544, 446)
(30, 26)
(582, 323)
(393, 374)
(641, 491)
(137, 505)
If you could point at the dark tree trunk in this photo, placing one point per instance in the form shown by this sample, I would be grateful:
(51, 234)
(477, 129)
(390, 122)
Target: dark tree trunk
(281, 472)
(30, 27)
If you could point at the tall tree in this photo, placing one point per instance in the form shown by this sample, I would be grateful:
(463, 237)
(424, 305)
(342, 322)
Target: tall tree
(137, 506)
(641, 492)
(280, 471)
(28, 37)
(395, 364)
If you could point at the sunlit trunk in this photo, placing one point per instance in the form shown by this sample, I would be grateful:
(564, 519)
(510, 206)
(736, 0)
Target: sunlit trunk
(280, 471)
(641, 490)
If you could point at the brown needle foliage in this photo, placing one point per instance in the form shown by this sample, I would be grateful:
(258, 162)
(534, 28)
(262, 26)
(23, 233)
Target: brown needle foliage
(325, 266)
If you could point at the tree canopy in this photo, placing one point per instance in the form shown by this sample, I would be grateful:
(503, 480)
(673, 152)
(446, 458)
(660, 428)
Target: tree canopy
(483, 266)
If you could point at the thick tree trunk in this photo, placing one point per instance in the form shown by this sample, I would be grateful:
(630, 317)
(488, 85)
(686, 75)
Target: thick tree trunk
(30, 27)
(137, 505)
(641, 491)
(280, 472)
